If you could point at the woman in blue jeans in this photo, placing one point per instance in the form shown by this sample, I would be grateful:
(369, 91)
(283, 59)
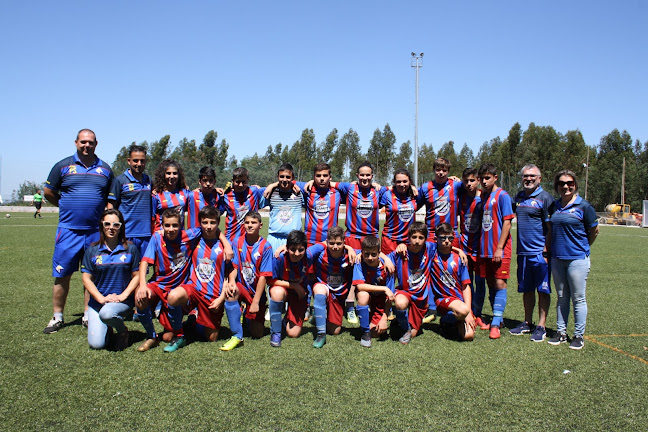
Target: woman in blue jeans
(573, 228)
(110, 274)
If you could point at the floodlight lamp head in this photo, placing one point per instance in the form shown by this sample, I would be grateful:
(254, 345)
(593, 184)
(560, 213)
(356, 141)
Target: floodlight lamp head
(413, 54)
(421, 54)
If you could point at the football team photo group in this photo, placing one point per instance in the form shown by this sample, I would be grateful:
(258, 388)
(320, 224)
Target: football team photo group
(149, 248)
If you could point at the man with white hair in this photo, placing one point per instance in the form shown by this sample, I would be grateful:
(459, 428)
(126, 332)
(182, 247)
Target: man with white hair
(533, 272)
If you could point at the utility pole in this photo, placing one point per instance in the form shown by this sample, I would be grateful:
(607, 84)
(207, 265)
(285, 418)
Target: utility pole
(417, 62)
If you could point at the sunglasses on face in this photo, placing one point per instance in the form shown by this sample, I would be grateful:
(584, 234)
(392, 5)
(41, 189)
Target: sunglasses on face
(445, 238)
(569, 183)
(115, 225)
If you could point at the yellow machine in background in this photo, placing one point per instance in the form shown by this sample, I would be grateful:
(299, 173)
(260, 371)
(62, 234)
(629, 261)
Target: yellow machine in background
(618, 214)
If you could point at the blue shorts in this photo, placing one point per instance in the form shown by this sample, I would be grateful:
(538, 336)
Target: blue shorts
(533, 274)
(276, 240)
(69, 247)
(141, 243)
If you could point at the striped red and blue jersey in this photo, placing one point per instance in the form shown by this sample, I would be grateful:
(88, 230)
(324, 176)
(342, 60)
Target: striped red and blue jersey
(442, 205)
(322, 208)
(253, 261)
(336, 273)
(171, 258)
(236, 206)
(449, 276)
(470, 216)
(197, 200)
(364, 274)
(83, 192)
(286, 270)
(133, 199)
(362, 206)
(413, 270)
(400, 214)
(496, 209)
(111, 270)
(169, 200)
(209, 269)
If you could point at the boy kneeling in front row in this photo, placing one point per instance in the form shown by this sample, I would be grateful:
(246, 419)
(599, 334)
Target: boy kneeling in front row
(451, 285)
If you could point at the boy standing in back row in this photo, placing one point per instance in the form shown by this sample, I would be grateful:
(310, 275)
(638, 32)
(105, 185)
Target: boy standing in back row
(495, 242)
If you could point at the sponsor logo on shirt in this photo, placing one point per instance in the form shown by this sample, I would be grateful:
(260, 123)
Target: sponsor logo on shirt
(405, 213)
(322, 209)
(442, 206)
(285, 215)
(205, 270)
(487, 221)
(248, 273)
(365, 208)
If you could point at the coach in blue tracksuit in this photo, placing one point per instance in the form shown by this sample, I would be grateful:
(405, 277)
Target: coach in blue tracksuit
(78, 186)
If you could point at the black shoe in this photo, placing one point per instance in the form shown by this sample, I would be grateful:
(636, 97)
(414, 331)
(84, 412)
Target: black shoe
(559, 338)
(577, 343)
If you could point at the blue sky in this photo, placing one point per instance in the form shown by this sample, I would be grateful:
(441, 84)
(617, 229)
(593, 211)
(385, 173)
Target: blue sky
(260, 72)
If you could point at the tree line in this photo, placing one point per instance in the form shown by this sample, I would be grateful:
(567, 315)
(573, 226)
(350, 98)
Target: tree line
(543, 146)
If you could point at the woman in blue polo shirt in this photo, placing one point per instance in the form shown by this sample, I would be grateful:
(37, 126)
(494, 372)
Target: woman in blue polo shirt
(110, 274)
(573, 228)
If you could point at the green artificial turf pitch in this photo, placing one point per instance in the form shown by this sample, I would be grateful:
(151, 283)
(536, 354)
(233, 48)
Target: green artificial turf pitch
(56, 382)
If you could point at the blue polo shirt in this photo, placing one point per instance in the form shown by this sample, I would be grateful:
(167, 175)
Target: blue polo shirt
(133, 199)
(569, 227)
(111, 270)
(83, 191)
(532, 212)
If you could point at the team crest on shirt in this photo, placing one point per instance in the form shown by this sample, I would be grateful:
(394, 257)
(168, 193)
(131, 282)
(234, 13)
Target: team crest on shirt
(365, 208)
(335, 281)
(99, 171)
(322, 209)
(487, 221)
(131, 187)
(447, 279)
(416, 280)
(285, 215)
(442, 206)
(179, 261)
(99, 260)
(405, 213)
(123, 258)
(205, 270)
(72, 169)
(248, 273)
(242, 212)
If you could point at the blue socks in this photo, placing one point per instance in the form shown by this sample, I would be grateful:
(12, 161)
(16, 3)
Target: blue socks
(363, 317)
(320, 312)
(499, 304)
(175, 318)
(276, 309)
(479, 295)
(233, 311)
(401, 317)
(146, 319)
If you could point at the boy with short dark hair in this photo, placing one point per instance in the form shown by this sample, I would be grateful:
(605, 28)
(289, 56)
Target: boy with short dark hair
(332, 268)
(285, 206)
(253, 257)
(237, 201)
(288, 284)
(495, 242)
(470, 216)
(451, 285)
(169, 251)
(212, 281)
(205, 195)
(375, 291)
(413, 270)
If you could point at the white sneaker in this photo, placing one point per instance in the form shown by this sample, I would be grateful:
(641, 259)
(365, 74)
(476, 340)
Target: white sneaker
(53, 326)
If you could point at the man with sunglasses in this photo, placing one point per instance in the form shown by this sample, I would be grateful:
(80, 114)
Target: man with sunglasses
(532, 210)
(78, 185)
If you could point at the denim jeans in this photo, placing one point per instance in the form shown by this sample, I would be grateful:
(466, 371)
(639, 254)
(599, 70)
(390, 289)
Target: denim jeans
(570, 279)
(101, 317)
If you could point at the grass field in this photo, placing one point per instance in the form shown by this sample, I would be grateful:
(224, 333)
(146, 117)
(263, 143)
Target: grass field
(56, 382)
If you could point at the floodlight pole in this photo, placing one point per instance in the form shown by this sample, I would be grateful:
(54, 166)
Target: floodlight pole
(417, 62)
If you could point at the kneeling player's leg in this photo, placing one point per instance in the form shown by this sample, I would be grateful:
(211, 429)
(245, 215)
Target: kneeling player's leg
(320, 293)
(146, 316)
(278, 296)
(233, 311)
(335, 312)
(401, 303)
(178, 297)
(363, 310)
